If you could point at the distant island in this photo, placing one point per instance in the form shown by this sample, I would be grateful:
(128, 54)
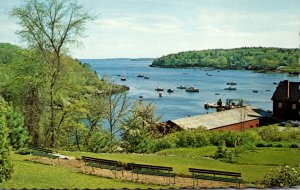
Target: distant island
(141, 59)
(260, 59)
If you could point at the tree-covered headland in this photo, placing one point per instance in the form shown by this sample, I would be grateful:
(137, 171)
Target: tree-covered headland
(251, 58)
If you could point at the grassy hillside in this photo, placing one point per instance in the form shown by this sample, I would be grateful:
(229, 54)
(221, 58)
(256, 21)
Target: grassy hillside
(259, 58)
(252, 165)
(30, 175)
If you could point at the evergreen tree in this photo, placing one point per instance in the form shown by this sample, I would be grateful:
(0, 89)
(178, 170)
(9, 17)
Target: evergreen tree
(6, 167)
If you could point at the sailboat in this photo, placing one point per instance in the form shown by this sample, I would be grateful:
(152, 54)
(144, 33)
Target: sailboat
(123, 77)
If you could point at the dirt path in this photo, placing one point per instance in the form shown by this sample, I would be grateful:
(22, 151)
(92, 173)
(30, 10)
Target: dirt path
(180, 182)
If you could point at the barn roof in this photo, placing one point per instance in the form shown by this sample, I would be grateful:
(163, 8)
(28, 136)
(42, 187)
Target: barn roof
(220, 119)
(287, 91)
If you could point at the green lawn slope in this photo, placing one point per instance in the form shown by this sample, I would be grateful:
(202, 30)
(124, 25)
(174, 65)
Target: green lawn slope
(31, 175)
(252, 164)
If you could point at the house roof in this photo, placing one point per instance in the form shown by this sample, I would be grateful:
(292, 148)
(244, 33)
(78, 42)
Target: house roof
(220, 119)
(287, 91)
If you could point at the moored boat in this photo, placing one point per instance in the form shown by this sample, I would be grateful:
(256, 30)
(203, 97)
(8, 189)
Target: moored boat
(140, 75)
(146, 77)
(192, 89)
(181, 87)
(170, 90)
(159, 89)
(230, 88)
(231, 83)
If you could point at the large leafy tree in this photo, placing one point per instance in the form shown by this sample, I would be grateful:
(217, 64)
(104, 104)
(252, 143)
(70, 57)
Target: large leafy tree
(51, 27)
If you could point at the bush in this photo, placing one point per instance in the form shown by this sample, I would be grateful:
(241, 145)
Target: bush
(278, 145)
(282, 177)
(223, 153)
(101, 142)
(294, 146)
(270, 133)
(189, 139)
(159, 144)
(6, 166)
(262, 144)
(23, 151)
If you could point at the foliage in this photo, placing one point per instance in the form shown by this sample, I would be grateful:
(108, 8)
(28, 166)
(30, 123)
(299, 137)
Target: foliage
(223, 153)
(294, 146)
(189, 138)
(135, 132)
(159, 144)
(50, 27)
(100, 142)
(282, 177)
(6, 166)
(253, 58)
(18, 134)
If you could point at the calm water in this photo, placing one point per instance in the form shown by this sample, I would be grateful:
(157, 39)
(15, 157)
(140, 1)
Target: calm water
(180, 103)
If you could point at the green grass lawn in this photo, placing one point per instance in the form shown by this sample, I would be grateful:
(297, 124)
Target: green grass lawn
(271, 156)
(252, 164)
(181, 164)
(30, 175)
(207, 151)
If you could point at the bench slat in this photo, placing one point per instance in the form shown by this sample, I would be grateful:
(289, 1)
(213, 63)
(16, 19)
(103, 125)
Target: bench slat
(195, 170)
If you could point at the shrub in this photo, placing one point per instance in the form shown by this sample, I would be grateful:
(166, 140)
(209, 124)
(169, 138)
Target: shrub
(270, 133)
(101, 141)
(262, 144)
(189, 138)
(282, 177)
(294, 146)
(18, 134)
(223, 153)
(23, 151)
(278, 145)
(159, 144)
(6, 166)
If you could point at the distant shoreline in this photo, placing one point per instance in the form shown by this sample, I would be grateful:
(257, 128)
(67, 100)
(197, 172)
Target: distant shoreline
(217, 68)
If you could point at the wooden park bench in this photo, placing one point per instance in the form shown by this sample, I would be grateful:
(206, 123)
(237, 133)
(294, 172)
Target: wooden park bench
(215, 175)
(112, 165)
(151, 170)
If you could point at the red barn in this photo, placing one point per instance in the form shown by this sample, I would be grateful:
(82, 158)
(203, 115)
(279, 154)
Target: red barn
(286, 101)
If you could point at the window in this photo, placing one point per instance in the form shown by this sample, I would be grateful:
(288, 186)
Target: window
(293, 106)
(279, 105)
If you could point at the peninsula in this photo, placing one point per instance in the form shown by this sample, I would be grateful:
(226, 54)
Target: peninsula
(250, 58)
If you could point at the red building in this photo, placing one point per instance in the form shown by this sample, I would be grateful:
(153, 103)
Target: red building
(238, 119)
(286, 101)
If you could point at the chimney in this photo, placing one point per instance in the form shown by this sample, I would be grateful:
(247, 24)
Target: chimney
(287, 84)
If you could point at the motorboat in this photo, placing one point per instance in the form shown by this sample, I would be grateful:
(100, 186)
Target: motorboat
(192, 89)
(170, 90)
(181, 87)
(159, 89)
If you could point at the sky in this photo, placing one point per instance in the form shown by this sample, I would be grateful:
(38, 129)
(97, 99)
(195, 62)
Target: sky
(153, 28)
